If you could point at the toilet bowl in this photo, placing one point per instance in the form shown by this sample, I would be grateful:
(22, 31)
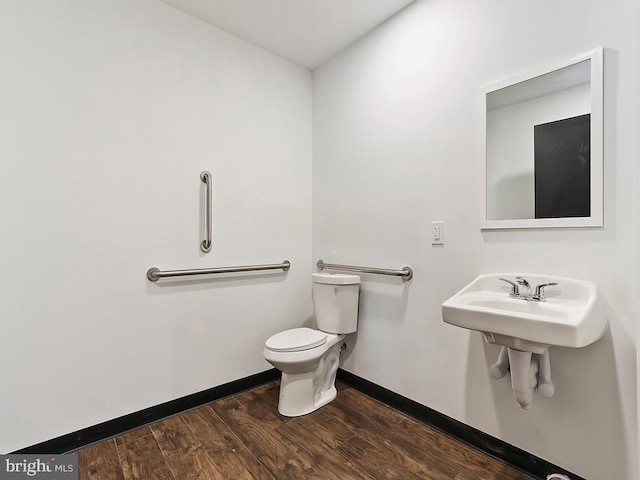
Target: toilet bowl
(308, 372)
(309, 358)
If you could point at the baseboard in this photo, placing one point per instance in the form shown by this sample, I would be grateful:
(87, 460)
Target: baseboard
(503, 451)
(74, 441)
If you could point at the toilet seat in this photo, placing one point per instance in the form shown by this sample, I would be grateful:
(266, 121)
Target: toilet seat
(296, 340)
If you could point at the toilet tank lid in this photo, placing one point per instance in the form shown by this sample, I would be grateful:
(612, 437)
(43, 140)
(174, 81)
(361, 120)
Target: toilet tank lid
(296, 340)
(335, 278)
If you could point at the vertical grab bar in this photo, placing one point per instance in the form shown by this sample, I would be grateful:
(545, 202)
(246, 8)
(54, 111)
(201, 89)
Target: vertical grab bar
(205, 245)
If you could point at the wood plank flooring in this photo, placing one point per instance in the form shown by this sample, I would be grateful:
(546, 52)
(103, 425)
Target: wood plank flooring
(244, 437)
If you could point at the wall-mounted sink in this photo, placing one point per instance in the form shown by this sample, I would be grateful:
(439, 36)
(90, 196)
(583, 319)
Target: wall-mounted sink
(572, 315)
(527, 314)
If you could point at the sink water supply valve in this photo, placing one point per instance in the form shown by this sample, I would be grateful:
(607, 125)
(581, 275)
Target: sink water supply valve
(528, 372)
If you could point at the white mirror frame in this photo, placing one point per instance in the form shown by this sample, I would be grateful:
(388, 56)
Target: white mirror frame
(596, 181)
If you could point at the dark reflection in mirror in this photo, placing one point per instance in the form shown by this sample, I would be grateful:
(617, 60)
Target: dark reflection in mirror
(562, 168)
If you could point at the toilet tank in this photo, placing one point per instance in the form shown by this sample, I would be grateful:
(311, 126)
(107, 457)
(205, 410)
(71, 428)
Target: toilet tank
(335, 301)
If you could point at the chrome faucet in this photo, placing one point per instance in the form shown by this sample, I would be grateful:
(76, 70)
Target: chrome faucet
(536, 296)
(524, 283)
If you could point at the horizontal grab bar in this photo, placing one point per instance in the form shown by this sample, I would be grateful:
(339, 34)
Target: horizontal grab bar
(406, 273)
(155, 274)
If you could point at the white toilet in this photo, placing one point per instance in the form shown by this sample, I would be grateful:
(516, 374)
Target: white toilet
(308, 358)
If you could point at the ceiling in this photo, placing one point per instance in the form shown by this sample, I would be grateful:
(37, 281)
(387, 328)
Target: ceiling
(307, 32)
(539, 85)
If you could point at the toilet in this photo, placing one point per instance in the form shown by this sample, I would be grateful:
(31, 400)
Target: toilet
(308, 358)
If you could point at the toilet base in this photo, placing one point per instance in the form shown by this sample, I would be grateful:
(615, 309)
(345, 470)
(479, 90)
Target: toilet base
(295, 396)
(303, 393)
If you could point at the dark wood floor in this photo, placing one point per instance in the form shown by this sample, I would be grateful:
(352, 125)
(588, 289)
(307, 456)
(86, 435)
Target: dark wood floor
(244, 437)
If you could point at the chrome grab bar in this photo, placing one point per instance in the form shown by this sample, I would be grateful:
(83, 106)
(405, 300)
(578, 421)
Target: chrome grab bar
(205, 245)
(406, 273)
(154, 274)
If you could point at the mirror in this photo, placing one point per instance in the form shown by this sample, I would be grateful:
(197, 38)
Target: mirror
(543, 147)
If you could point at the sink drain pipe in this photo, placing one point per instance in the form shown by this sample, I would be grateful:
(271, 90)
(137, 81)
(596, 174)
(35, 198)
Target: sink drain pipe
(528, 372)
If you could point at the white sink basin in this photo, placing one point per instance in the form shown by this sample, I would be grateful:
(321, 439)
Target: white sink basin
(573, 314)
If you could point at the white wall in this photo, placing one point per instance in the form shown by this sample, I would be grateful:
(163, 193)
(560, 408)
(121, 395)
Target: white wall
(110, 111)
(510, 148)
(396, 146)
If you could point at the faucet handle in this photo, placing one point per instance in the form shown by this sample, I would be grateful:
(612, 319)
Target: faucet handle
(539, 292)
(515, 292)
